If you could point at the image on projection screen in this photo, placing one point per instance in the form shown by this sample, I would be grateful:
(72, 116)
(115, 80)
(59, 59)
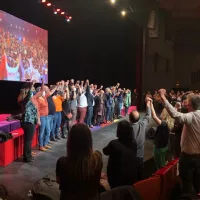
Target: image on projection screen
(23, 50)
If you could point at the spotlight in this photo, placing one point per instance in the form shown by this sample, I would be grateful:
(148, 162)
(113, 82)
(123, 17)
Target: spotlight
(58, 10)
(62, 13)
(112, 1)
(123, 13)
(49, 4)
(55, 13)
(70, 17)
(43, 1)
(68, 20)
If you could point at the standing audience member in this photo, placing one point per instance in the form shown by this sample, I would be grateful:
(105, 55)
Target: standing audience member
(139, 129)
(79, 173)
(160, 140)
(189, 163)
(122, 152)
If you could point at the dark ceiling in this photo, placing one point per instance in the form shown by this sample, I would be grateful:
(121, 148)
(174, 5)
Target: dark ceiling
(182, 8)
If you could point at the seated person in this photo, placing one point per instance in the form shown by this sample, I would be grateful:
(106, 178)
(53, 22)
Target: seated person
(79, 173)
(121, 169)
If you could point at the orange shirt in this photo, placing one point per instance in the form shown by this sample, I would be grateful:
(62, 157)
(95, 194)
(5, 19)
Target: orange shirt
(58, 103)
(42, 106)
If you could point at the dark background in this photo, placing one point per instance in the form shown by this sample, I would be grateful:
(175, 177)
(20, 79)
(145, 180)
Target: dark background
(98, 44)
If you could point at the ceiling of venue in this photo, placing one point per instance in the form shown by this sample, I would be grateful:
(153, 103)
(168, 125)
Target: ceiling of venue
(182, 8)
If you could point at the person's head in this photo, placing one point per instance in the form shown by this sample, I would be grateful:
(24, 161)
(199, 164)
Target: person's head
(178, 106)
(134, 90)
(79, 143)
(124, 130)
(72, 81)
(193, 102)
(134, 116)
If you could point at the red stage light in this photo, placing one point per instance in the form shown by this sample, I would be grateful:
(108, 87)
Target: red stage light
(58, 10)
(62, 13)
(49, 4)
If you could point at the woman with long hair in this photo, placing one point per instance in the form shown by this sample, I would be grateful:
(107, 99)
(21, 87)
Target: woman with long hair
(79, 173)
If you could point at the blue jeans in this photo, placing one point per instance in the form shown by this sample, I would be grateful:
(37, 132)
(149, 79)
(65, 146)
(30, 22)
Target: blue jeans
(44, 131)
(56, 124)
(50, 119)
(108, 111)
(89, 115)
(120, 108)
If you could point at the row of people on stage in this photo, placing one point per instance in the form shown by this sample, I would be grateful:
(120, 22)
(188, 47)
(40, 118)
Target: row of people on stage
(58, 108)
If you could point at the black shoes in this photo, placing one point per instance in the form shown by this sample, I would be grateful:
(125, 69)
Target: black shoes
(28, 160)
(58, 138)
(64, 137)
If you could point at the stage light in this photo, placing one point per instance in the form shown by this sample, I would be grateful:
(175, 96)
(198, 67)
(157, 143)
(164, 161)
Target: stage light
(58, 10)
(123, 13)
(43, 1)
(112, 1)
(55, 13)
(62, 13)
(49, 4)
(70, 17)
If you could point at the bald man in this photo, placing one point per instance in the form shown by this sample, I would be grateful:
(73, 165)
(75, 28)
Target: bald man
(139, 129)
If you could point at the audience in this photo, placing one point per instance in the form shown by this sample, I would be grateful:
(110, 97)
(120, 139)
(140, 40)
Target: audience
(139, 129)
(189, 163)
(122, 152)
(160, 140)
(79, 173)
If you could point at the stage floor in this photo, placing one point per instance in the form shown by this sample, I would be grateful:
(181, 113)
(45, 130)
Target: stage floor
(19, 177)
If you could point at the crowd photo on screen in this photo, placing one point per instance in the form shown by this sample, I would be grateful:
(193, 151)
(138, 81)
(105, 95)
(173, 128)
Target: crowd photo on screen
(23, 50)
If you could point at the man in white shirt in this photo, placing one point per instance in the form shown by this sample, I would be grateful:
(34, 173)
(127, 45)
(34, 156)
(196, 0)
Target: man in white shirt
(189, 164)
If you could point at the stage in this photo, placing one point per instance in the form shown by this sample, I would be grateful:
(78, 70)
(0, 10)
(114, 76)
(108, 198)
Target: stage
(19, 177)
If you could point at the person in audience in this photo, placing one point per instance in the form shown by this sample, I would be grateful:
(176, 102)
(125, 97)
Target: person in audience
(44, 128)
(189, 163)
(139, 129)
(79, 173)
(122, 152)
(177, 130)
(160, 140)
(30, 118)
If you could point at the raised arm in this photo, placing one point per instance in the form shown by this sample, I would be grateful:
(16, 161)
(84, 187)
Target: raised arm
(180, 117)
(146, 119)
(154, 116)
